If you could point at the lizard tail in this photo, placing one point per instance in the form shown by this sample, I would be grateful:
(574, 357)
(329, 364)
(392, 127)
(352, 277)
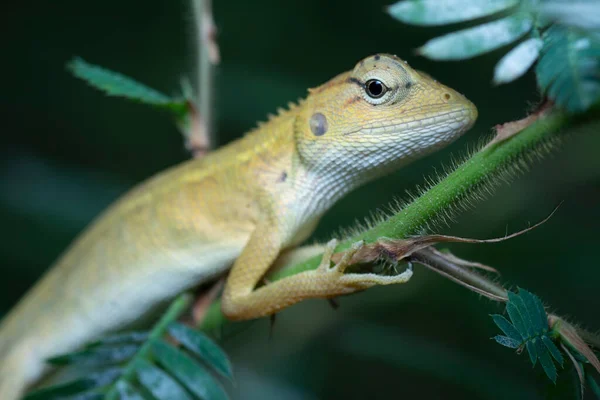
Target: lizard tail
(15, 373)
(19, 366)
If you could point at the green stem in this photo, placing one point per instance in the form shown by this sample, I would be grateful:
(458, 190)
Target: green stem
(177, 307)
(471, 175)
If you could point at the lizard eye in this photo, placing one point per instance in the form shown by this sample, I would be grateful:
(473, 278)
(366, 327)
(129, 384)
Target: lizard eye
(375, 88)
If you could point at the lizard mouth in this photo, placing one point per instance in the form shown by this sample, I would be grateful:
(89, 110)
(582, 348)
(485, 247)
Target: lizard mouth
(439, 120)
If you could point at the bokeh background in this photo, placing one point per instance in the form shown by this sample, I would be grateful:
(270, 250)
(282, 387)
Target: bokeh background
(67, 151)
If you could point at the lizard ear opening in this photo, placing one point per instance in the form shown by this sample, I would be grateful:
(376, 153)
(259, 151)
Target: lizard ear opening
(318, 124)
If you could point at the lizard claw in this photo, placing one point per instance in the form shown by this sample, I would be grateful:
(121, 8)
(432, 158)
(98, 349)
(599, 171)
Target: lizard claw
(345, 262)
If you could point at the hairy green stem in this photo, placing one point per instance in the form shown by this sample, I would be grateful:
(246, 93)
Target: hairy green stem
(177, 307)
(474, 173)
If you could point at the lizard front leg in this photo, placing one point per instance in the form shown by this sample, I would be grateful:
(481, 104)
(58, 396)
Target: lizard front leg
(242, 300)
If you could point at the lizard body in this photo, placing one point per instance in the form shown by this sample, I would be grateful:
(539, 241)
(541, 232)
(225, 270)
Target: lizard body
(239, 207)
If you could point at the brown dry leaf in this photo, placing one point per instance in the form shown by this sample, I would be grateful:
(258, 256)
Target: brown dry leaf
(453, 268)
(398, 249)
(509, 129)
(569, 335)
(462, 262)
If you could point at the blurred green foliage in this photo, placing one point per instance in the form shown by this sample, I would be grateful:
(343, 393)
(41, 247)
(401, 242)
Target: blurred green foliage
(67, 152)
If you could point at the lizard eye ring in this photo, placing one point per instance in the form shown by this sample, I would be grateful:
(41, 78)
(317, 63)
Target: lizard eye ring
(375, 89)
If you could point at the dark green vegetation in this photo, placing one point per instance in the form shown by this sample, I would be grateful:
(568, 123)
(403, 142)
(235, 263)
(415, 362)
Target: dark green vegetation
(70, 151)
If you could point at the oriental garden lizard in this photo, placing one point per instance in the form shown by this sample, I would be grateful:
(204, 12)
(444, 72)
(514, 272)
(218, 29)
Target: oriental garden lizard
(237, 208)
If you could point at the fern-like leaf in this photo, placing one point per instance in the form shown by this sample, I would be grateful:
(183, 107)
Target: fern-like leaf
(115, 84)
(141, 365)
(569, 68)
(435, 12)
(481, 39)
(528, 327)
(568, 51)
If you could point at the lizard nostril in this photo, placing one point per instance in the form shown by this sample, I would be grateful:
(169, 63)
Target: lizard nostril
(447, 96)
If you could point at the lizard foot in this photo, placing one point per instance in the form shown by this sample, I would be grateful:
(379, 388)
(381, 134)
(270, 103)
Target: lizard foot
(350, 282)
(340, 267)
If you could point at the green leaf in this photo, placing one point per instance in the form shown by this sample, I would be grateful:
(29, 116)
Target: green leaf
(121, 338)
(194, 376)
(554, 351)
(508, 342)
(528, 320)
(158, 382)
(203, 347)
(508, 328)
(471, 42)
(545, 360)
(93, 380)
(581, 14)
(436, 12)
(127, 392)
(532, 350)
(569, 68)
(536, 310)
(97, 355)
(517, 61)
(517, 319)
(88, 396)
(115, 84)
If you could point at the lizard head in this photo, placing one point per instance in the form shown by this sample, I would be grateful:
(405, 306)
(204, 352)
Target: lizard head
(376, 117)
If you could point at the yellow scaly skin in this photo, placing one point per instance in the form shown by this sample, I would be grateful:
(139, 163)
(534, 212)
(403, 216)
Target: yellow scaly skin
(238, 208)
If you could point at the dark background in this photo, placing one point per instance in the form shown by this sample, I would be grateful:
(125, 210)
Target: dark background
(67, 152)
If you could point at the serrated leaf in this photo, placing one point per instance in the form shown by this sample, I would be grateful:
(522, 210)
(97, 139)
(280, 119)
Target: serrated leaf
(436, 12)
(518, 302)
(517, 319)
(96, 355)
(203, 347)
(532, 350)
(536, 310)
(554, 351)
(481, 39)
(546, 360)
(91, 381)
(568, 70)
(517, 61)
(506, 341)
(128, 392)
(116, 84)
(194, 376)
(509, 330)
(158, 382)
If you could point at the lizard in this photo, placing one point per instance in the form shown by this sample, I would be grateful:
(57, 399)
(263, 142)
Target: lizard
(238, 208)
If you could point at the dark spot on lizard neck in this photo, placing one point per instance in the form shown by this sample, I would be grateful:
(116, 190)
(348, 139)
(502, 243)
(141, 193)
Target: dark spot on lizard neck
(283, 177)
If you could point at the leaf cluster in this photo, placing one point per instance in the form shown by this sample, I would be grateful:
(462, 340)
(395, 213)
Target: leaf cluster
(562, 36)
(170, 361)
(118, 85)
(528, 328)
